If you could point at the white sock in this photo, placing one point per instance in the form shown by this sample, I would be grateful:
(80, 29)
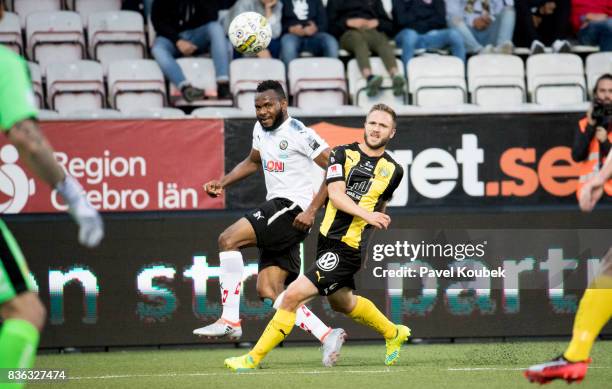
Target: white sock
(307, 320)
(230, 279)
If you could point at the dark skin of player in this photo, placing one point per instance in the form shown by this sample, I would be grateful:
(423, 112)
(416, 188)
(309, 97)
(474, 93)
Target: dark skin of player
(271, 111)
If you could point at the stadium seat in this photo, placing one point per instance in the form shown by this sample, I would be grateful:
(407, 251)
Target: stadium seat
(496, 80)
(200, 72)
(55, 37)
(24, 8)
(221, 112)
(437, 81)
(93, 114)
(134, 84)
(157, 113)
(357, 84)
(87, 7)
(75, 86)
(115, 36)
(10, 32)
(46, 114)
(556, 79)
(246, 73)
(37, 84)
(596, 65)
(317, 82)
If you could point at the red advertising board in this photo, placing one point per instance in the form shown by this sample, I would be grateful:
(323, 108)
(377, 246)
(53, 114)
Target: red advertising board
(123, 165)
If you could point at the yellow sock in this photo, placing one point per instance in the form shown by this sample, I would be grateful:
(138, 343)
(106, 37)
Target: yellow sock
(593, 313)
(366, 313)
(277, 329)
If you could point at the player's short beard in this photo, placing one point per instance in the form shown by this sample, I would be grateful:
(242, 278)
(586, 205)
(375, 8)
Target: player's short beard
(278, 120)
(382, 143)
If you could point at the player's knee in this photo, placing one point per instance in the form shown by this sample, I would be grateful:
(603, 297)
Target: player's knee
(291, 300)
(340, 306)
(266, 292)
(226, 243)
(25, 307)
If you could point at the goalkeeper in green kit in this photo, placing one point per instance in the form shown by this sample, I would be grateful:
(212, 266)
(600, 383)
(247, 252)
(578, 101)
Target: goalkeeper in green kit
(21, 311)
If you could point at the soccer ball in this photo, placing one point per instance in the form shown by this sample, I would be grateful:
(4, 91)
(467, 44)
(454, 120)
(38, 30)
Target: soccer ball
(250, 33)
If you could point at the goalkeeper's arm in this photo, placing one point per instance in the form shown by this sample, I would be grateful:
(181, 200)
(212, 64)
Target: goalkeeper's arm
(38, 155)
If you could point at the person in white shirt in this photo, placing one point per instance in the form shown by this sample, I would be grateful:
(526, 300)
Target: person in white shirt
(286, 149)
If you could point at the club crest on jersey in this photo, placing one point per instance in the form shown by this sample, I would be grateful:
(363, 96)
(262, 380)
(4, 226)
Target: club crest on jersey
(274, 166)
(283, 145)
(328, 261)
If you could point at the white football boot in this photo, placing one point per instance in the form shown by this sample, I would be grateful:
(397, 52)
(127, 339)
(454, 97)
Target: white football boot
(331, 346)
(220, 329)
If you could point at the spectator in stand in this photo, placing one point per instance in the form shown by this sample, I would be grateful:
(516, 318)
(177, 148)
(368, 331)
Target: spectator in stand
(363, 26)
(486, 25)
(271, 9)
(591, 21)
(305, 29)
(422, 25)
(185, 28)
(541, 23)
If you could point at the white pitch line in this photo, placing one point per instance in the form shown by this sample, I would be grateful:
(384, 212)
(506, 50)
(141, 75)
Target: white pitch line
(305, 372)
(103, 377)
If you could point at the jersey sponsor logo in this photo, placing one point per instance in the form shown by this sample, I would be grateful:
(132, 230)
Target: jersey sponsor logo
(334, 171)
(312, 142)
(274, 166)
(14, 183)
(328, 261)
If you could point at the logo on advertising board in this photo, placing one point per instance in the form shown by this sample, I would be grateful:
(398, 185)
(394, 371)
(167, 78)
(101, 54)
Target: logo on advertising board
(119, 171)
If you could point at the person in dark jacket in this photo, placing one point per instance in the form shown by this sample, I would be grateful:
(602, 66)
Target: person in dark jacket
(363, 26)
(305, 29)
(185, 28)
(422, 25)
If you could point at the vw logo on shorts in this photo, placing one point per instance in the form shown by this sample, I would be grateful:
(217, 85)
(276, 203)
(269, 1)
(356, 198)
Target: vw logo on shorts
(328, 261)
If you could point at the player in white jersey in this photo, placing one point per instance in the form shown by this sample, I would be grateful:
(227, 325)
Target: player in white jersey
(285, 149)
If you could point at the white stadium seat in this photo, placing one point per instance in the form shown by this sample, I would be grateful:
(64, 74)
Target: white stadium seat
(246, 73)
(88, 7)
(115, 36)
(24, 8)
(556, 79)
(357, 84)
(37, 84)
(200, 72)
(221, 112)
(157, 113)
(10, 32)
(93, 114)
(596, 65)
(134, 84)
(55, 37)
(317, 82)
(75, 86)
(437, 81)
(496, 80)
(46, 114)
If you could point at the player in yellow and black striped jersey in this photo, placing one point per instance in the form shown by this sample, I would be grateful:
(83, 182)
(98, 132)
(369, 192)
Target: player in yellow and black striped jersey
(361, 178)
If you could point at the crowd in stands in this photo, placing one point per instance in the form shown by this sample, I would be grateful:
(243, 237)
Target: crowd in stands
(362, 27)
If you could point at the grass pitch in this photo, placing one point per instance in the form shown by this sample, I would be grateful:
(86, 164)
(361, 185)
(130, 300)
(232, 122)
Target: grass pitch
(485, 365)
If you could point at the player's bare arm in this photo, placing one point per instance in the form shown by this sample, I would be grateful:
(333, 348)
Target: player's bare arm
(36, 151)
(340, 200)
(593, 190)
(305, 220)
(241, 171)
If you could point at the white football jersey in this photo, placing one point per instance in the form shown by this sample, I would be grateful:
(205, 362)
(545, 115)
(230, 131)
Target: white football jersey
(287, 155)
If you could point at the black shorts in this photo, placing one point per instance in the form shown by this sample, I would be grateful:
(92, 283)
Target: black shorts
(278, 241)
(335, 266)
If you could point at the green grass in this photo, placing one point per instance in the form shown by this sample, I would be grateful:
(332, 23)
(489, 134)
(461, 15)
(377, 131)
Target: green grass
(361, 366)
